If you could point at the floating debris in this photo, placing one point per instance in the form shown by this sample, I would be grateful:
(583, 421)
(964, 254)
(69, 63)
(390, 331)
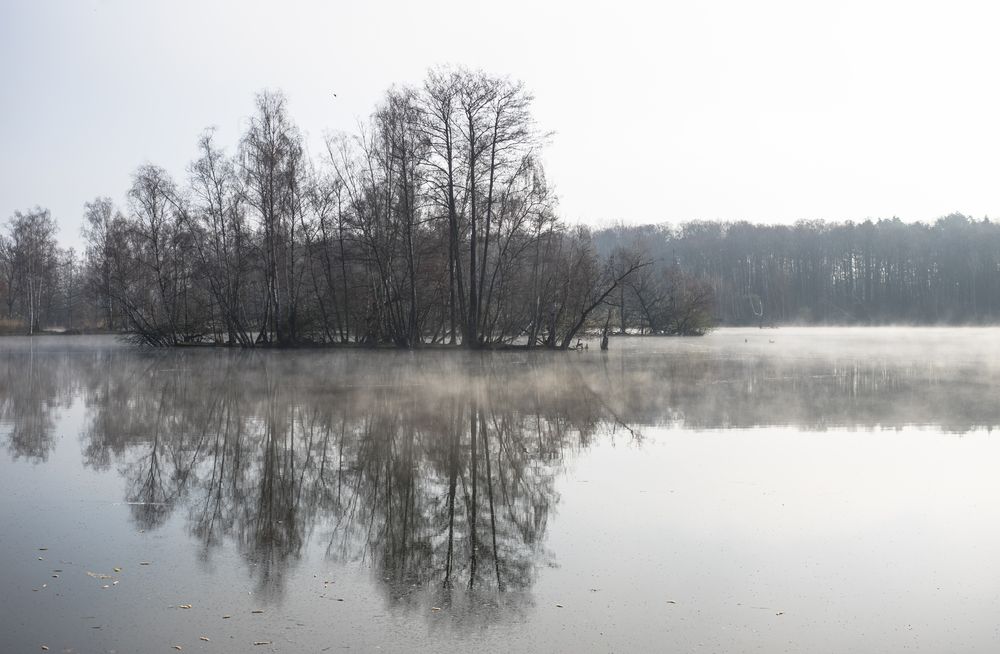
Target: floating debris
(559, 606)
(143, 562)
(780, 613)
(256, 611)
(45, 648)
(261, 642)
(117, 569)
(671, 601)
(226, 617)
(204, 638)
(43, 549)
(435, 608)
(184, 606)
(178, 647)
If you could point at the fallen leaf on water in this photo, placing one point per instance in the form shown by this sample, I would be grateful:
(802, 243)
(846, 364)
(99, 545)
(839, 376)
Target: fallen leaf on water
(671, 601)
(559, 606)
(118, 569)
(45, 648)
(261, 642)
(435, 608)
(178, 647)
(55, 576)
(226, 617)
(42, 549)
(40, 559)
(184, 606)
(204, 638)
(256, 611)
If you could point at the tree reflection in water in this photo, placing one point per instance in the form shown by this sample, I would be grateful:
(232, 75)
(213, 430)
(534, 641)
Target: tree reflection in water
(433, 472)
(437, 470)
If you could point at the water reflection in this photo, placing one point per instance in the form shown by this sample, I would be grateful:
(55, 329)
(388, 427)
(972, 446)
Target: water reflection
(435, 469)
(431, 471)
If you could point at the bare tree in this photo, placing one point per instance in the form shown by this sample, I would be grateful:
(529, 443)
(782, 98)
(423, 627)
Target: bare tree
(441, 132)
(32, 252)
(221, 238)
(271, 165)
(100, 221)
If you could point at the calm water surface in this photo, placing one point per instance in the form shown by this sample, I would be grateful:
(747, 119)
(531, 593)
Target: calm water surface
(801, 490)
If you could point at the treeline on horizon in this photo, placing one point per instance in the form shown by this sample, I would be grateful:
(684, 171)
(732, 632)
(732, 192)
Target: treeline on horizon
(872, 272)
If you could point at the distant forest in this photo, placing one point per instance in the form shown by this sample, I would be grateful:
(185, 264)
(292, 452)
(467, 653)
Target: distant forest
(880, 272)
(434, 224)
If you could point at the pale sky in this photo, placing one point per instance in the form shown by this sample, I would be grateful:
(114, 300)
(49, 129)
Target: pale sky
(662, 111)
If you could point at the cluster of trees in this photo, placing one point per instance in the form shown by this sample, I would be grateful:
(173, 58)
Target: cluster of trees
(40, 283)
(434, 224)
(879, 272)
(660, 299)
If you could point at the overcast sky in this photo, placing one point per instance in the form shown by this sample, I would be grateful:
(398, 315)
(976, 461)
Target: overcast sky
(662, 111)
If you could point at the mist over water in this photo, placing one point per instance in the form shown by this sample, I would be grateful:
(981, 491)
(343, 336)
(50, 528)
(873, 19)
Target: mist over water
(806, 489)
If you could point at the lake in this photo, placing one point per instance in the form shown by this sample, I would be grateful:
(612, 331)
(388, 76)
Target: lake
(794, 489)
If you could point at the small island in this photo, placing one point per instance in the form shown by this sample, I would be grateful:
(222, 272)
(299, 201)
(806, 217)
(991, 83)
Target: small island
(432, 225)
